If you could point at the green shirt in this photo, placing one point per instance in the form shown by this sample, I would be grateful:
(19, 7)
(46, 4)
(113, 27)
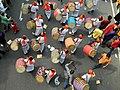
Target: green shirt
(4, 20)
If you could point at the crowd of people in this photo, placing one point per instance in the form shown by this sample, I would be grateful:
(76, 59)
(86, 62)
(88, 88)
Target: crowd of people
(101, 32)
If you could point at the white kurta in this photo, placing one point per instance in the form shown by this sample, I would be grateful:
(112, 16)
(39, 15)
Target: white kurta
(86, 77)
(62, 34)
(34, 9)
(25, 48)
(30, 67)
(77, 43)
(64, 16)
(78, 23)
(2, 9)
(62, 57)
(39, 28)
(77, 10)
(42, 43)
(48, 13)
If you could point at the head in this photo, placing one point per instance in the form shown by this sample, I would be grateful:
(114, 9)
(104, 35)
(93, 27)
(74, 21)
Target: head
(115, 29)
(91, 72)
(81, 36)
(108, 55)
(100, 18)
(109, 17)
(65, 27)
(24, 37)
(82, 16)
(43, 34)
(66, 51)
(35, 3)
(117, 23)
(72, 71)
(40, 16)
(30, 58)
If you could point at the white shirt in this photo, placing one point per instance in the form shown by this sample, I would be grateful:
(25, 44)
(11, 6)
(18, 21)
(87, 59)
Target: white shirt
(77, 5)
(96, 22)
(86, 77)
(77, 41)
(63, 54)
(28, 62)
(34, 8)
(39, 22)
(40, 39)
(95, 2)
(79, 21)
(64, 13)
(2, 7)
(64, 32)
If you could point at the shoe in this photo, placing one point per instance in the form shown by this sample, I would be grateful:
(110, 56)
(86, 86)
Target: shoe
(33, 33)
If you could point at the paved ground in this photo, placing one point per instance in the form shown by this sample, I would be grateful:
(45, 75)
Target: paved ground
(11, 80)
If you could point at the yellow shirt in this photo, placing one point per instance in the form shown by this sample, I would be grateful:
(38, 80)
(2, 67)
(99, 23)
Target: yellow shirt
(97, 33)
(104, 60)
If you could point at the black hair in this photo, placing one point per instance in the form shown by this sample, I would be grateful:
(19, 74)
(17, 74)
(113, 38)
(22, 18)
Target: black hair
(109, 17)
(30, 58)
(72, 71)
(116, 29)
(108, 55)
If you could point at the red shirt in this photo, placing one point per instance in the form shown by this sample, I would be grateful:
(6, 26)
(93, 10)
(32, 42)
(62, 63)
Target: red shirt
(105, 23)
(115, 43)
(109, 29)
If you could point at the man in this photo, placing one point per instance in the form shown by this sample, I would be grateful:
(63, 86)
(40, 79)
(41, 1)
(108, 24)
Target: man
(96, 23)
(111, 28)
(62, 32)
(68, 74)
(103, 61)
(77, 8)
(91, 10)
(79, 21)
(65, 12)
(25, 44)
(104, 23)
(77, 42)
(63, 55)
(47, 9)
(5, 20)
(29, 63)
(109, 36)
(90, 74)
(114, 44)
(42, 39)
(39, 25)
(34, 9)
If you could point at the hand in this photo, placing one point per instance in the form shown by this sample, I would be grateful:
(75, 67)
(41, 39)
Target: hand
(71, 62)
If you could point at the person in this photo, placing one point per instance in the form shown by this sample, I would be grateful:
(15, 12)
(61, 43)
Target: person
(77, 42)
(90, 74)
(62, 32)
(34, 9)
(5, 20)
(42, 39)
(79, 21)
(29, 61)
(96, 35)
(109, 36)
(14, 26)
(47, 9)
(110, 28)
(95, 3)
(65, 12)
(78, 5)
(3, 40)
(2, 8)
(25, 44)
(114, 44)
(63, 55)
(39, 25)
(117, 17)
(68, 73)
(103, 61)
(96, 23)
(105, 23)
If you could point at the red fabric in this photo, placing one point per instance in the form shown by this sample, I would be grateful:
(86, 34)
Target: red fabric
(115, 43)
(46, 7)
(109, 29)
(31, 62)
(105, 23)
(53, 73)
(45, 38)
(15, 28)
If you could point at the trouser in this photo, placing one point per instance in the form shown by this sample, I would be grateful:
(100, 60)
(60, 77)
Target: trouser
(97, 66)
(111, 50)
